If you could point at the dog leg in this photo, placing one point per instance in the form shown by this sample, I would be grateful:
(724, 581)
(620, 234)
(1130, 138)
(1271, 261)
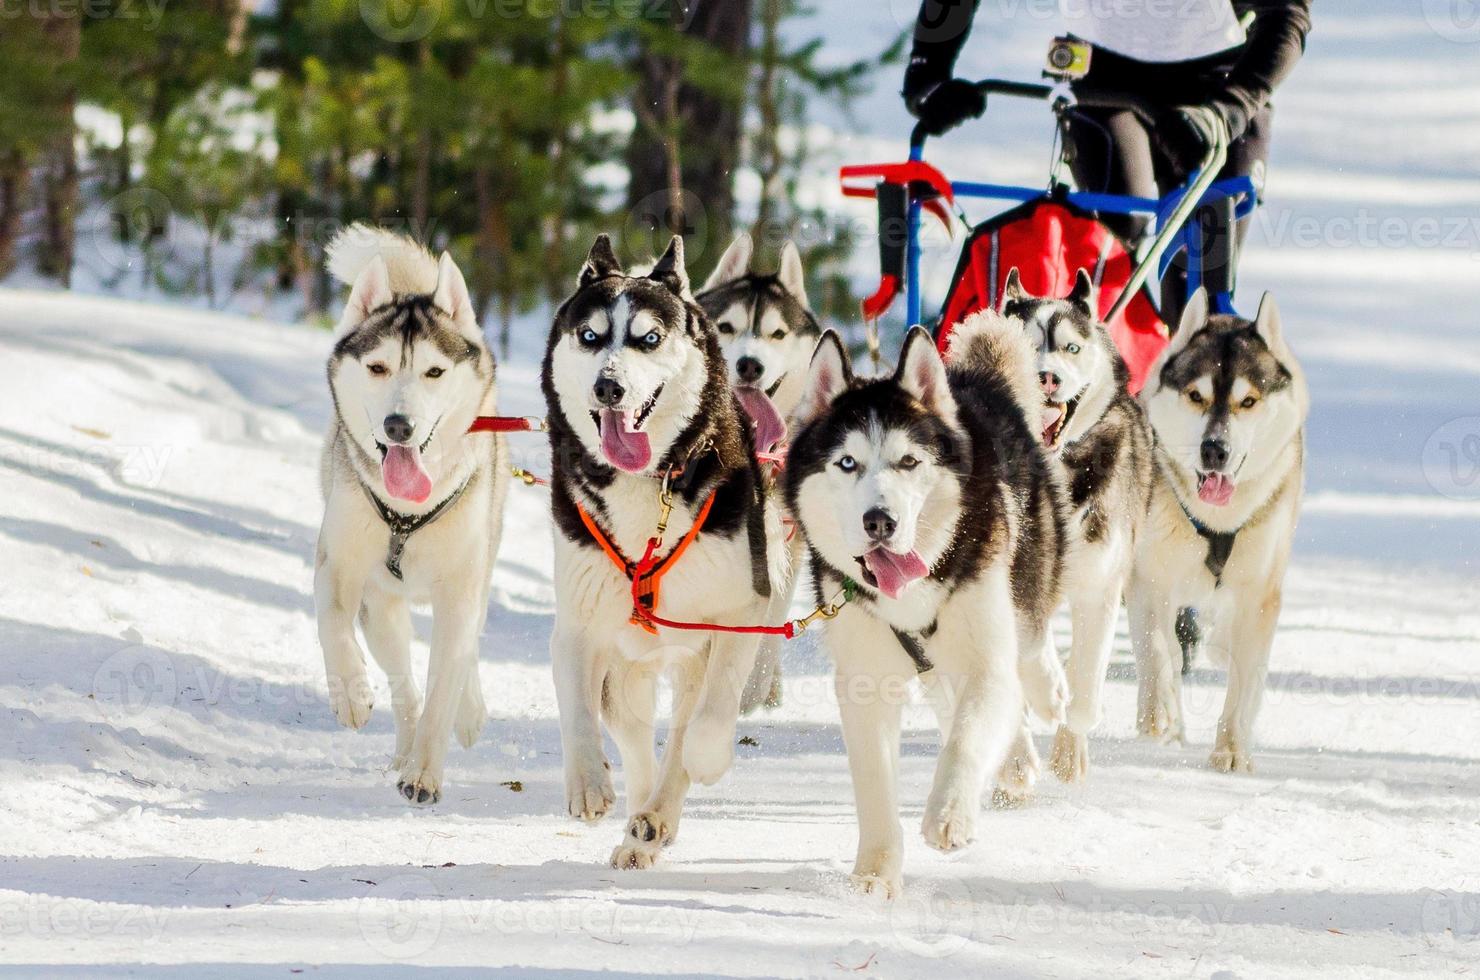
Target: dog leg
(580, 671)
(1045, 688)
(337, 595)
(709, 746)
(472, 711)
(628, 706)
(386, 621)
(657, 824)
(763, 687)
(456, 619)
(1248, 667)
(1093, 611)
(1158, 673)
(1019, 773)
(866, 680)
(988, 714)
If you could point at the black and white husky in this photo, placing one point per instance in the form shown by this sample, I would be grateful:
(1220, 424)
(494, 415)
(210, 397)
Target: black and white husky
(1100, 434)
(929, 494)
(413, 503)
(639, 400)
(768, 333)
(1227, 402)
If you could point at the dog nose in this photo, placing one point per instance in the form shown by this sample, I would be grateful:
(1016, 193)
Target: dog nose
(608, 392)
(398, 428)
(749, 370)
(879, 524)
(1049, 381)
(1214, 454)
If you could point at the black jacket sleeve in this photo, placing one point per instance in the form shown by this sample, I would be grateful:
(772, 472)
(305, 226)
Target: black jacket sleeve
(941, 29)
(1276, 42)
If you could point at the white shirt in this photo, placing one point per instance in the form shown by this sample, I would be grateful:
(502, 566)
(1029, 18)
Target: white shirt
(1155, 30)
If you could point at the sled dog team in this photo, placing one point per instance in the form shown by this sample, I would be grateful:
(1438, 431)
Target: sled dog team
(705, 445)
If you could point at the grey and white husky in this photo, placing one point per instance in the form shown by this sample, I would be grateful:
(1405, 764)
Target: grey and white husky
(640, 407)
(930, 495)
(768, 333)
(1101, 436)
(1227, 402)
(413, 503)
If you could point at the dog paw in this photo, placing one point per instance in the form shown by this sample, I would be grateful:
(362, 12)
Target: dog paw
(1045, 688)
(884, 886)
(636, 857)
(471, 716)
(419, 792)
(950, 826)
(1015, 782)
(1229, 756)
(1070, 759)
(351, 700)
(763, 687)
(1160, 724)
(651, 827)
(589, 794)
(708, 750)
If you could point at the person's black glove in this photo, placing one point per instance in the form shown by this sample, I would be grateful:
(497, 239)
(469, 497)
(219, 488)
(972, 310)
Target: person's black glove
(1183, 134)
(944, 106)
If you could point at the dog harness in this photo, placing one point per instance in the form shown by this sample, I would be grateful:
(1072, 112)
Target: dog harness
(1220, 544)
(646, 580)
(402, 526)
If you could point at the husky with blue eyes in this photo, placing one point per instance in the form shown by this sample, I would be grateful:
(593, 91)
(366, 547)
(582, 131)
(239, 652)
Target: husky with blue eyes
(929, 498)
(647, 440)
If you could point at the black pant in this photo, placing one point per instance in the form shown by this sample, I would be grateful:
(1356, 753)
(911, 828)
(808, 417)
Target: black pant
(1114, 152)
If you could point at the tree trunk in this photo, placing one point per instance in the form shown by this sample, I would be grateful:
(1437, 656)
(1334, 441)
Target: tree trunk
(705, 126)
(62, 35)
(556, 281)
(768, 138)
(12, 180)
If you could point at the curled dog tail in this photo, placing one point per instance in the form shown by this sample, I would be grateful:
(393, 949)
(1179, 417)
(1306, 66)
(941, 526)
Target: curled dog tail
(990, 343)
(412, 268)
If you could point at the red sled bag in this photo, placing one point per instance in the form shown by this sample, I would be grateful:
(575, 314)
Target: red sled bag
(1049, 242)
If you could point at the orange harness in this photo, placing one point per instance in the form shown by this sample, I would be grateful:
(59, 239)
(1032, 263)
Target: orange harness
(646, 576)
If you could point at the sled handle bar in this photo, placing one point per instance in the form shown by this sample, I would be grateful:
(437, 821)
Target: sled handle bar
(1090, 99)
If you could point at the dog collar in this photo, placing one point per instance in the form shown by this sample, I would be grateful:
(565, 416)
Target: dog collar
(402, 526)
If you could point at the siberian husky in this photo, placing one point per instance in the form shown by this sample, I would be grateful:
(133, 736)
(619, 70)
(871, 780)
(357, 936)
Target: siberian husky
(1227, 402)
(929, 496)
(768, 333)
(1099, 432)
(413, 503)
(640, 403)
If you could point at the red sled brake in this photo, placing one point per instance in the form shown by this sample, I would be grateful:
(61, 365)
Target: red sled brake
(1049, 242)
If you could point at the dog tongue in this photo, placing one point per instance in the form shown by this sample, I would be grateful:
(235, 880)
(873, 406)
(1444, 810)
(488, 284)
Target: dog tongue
(894, 571)
(770, 429)
(404, 477)
(1051, 415)
(626, 448)
(1215, 489)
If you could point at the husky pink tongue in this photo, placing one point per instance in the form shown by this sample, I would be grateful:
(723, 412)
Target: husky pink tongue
(624, 447)
(770, 429)
(1051, 416)
(894, 571)
(1215, 489)
(403, 475)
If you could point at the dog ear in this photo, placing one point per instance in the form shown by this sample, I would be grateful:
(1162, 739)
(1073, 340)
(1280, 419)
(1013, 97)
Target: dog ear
(600, 262)
(922, 373)
(828, 376)
(451, 294)
(1194, 318)
(1268, 326)
(790, 273)
(372, 290)
(733, 264)
(669, 269)
(1012, 289)
(1084, 293)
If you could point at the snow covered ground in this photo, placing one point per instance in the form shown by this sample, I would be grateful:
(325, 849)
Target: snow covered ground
(174, 790)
